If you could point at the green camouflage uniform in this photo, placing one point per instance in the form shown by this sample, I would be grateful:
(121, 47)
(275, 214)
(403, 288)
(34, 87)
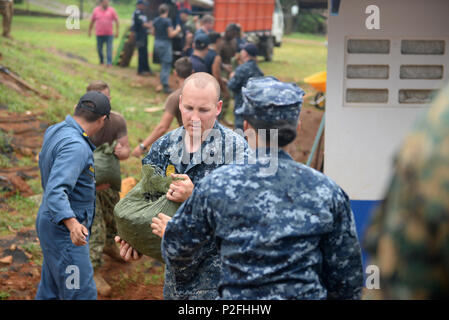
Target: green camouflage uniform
(103, 227)
(409, 234)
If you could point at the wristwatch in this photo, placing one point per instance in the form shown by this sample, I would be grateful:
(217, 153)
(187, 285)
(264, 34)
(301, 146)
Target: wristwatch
(142, 147)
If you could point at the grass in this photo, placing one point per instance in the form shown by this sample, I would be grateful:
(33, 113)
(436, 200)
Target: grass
(307, 36)
(35, 250)
(294, 62)
(23, 212)
(25, 5)
(4, 295)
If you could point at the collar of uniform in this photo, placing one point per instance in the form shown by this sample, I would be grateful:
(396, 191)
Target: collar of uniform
(207, 147)
(265, 152)
(71, 122)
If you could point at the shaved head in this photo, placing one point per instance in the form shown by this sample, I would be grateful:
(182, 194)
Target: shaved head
(201, 80)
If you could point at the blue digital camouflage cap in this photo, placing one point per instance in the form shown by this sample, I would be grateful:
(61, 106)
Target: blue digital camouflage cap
(271, 100)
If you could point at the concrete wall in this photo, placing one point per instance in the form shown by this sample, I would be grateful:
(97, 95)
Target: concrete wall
(376, 88)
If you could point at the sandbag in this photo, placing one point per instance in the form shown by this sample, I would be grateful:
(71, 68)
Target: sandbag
(145, 201)
(107, 166)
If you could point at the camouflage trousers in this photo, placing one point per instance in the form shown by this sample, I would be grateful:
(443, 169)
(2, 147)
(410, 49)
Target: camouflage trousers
(6, 10)
(103, 228)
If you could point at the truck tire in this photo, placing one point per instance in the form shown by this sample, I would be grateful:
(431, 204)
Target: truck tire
(269, 45)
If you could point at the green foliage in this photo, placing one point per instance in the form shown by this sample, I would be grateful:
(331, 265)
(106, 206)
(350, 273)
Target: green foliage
(5, 142)
(23, 214)
(4, 295)
(4, 161)
(310, 22)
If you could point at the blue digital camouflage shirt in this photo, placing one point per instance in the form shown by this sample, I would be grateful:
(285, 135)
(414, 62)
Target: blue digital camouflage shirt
(222, 146)
(289, 235)
(241, 76)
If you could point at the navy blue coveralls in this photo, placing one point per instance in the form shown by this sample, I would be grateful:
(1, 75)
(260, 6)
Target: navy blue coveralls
(68, 180)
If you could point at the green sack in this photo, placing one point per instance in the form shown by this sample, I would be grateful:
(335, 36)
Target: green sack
(107, 166)
(134, 213)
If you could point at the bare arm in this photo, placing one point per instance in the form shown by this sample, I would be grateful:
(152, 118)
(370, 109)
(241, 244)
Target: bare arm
(158, 132)
(216, 72)
(173, 32)
(91, 25)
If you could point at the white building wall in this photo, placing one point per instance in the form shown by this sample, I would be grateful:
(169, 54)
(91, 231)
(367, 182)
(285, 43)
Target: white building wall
(361, 138)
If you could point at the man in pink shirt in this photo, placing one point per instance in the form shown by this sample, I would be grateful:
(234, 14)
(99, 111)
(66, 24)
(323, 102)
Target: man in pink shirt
(103, 17)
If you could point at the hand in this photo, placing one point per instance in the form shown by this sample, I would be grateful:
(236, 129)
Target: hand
(227, 67)
(137, 152)
(159, 224)
(126, 251)
(78, 232)
(180, 190)
(231, 75)
(120, 151)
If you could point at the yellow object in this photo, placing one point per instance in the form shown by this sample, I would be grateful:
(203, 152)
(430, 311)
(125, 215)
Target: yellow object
(127, 185)
(317, 80)
(170, 169)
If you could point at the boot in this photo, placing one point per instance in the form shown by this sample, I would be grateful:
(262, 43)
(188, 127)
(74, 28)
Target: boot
(113, 252)
(103, 287)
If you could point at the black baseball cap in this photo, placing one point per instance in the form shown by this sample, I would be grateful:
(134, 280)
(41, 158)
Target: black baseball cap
(201, 41)
(250, 48)
(99, 100)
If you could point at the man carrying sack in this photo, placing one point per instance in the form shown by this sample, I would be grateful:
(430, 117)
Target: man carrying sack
(112, 145)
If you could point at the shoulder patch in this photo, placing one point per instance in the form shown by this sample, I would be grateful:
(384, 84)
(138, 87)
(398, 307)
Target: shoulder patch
(169, 170)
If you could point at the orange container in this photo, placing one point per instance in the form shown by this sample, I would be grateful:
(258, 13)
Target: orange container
(252, 15)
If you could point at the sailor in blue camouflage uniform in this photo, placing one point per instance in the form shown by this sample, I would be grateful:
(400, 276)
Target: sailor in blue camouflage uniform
(221, 146)
(286, 234)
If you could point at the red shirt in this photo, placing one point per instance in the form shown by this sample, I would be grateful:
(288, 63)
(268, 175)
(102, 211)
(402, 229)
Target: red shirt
(184, 5)
(104, 20)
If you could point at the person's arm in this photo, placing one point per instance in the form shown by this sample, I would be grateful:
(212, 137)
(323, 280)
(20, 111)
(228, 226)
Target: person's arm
(68, 165)
(216, 72)
(91, 25)
(122, 149)
(342, 271)
(236, 80)
(158, 132)
(186, 234)
(173, 32)
(150, 26)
